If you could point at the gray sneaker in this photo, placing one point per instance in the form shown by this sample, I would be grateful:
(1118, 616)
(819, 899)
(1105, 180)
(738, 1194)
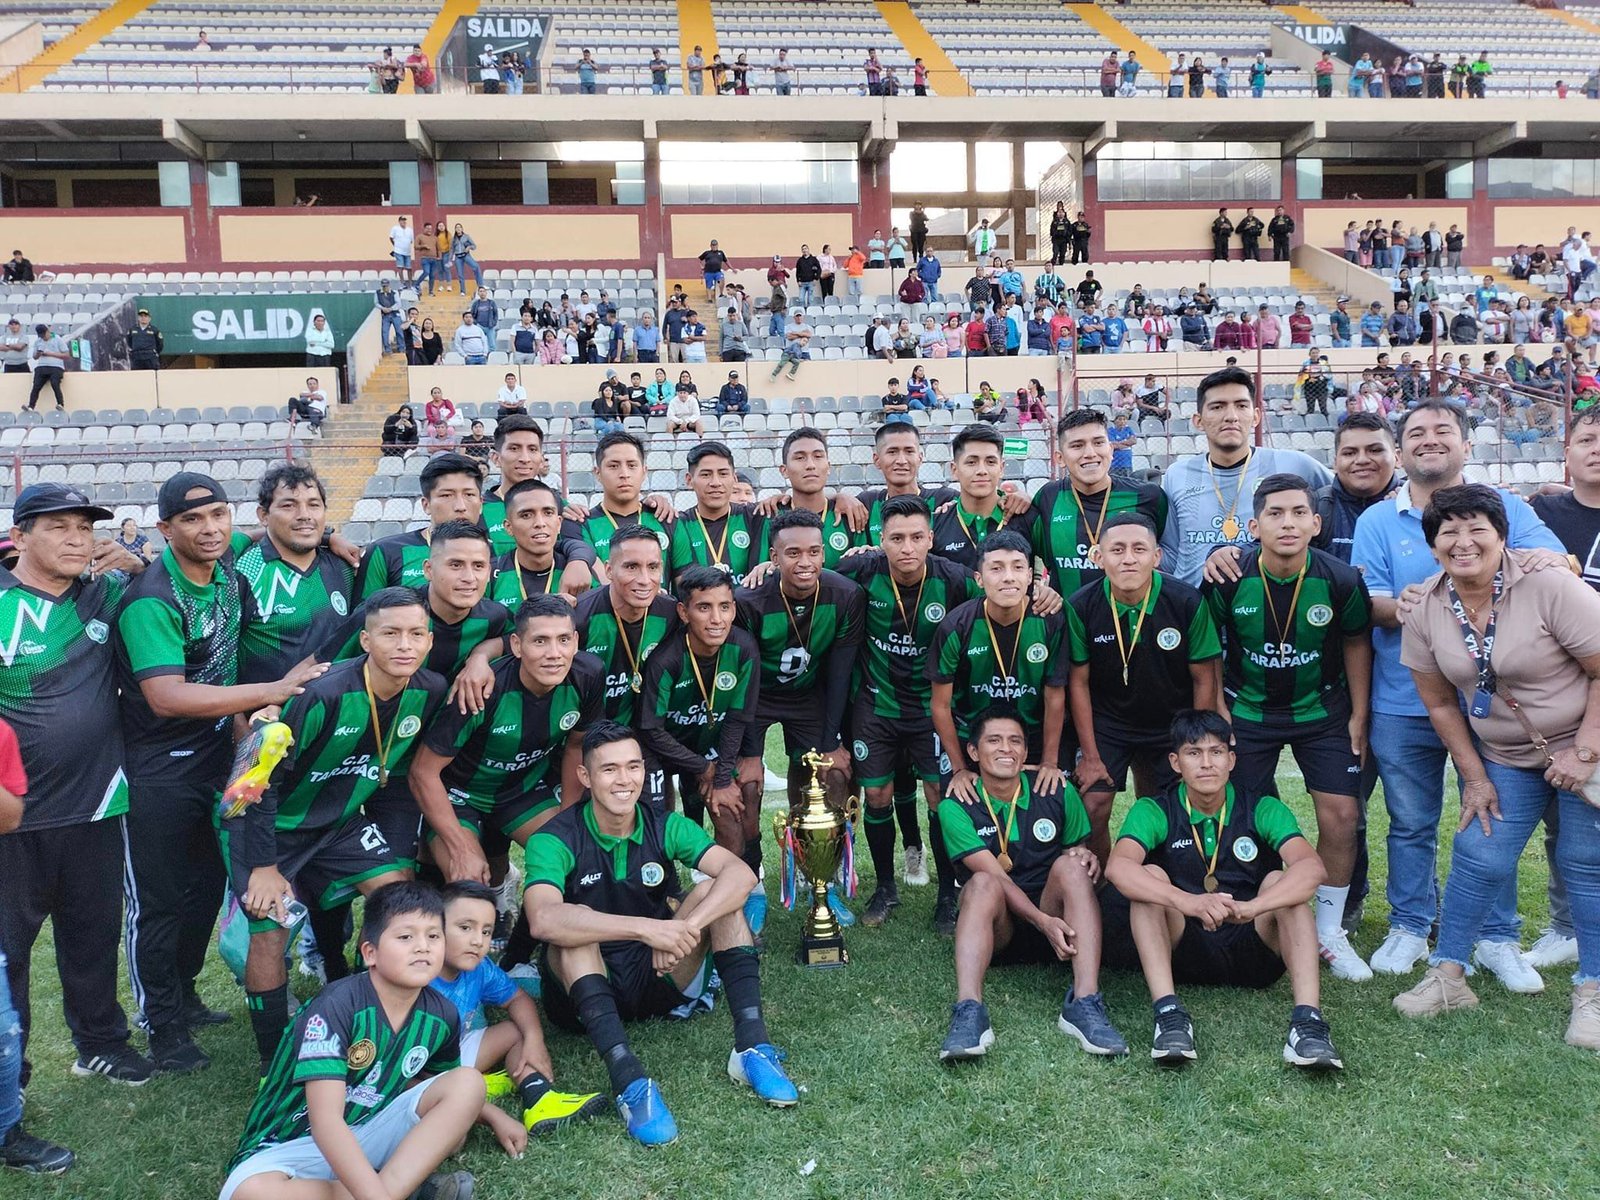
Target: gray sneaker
(970, 1034)
(1085, 1018)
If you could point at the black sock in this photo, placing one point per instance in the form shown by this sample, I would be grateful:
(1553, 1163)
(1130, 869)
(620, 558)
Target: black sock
(530, 1089)
(519, 943)
(269, 1017)
(941, 857)
(328, 927)
(752, 855)
(905, 811)
(880, 842)
(597, 1009)
(740, 969)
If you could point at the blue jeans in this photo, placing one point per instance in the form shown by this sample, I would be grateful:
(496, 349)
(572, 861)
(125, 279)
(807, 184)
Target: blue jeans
(1256, 89)
(808, 292)
(1481, 866)
(402, 264)
(1523, 437)
(1411, 763)
(391, 320)
(465, 263)
(1341, 343)
(1397, 255)
(785, 89)
(658, 89)
(430, 270)
(603, 427)
(775, 325)
(586, 89)
(10, 1057)
(476, 360)
(853, 286)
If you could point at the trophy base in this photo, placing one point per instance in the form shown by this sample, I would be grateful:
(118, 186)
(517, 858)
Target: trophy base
(822, 952)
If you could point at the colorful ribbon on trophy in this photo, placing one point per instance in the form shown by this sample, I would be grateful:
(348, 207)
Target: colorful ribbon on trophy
(847, 862)
(786, 882)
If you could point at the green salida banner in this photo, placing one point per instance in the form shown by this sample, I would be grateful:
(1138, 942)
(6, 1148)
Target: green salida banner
(262, 324)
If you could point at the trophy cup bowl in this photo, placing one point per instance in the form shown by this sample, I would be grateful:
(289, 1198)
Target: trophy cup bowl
(818, 832)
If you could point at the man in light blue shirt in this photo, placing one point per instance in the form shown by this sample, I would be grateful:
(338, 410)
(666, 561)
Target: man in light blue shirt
(1392, 554)
(1011, 281)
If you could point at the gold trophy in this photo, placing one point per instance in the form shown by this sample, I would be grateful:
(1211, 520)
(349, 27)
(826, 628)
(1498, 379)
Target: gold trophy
(818, 832)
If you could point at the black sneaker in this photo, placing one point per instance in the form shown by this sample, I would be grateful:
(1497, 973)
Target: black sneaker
(944, 914)
(1310, 1045)
(175, 1053)
(446, 1185)
(21, 1151)
(197, 1015)
(884, 901)
(1173, 1044)
(123, 1065)
(970, 1034)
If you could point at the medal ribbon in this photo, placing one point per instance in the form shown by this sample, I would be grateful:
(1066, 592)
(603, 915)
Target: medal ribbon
(1003, 828)
(1230, 520)
(709, 697)
(1222, 821)
(1480, 648)
(384, 744)
(1286, 627)
(1133, 639)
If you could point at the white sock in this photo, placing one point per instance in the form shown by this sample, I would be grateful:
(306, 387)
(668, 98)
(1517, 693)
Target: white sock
(1330, 910)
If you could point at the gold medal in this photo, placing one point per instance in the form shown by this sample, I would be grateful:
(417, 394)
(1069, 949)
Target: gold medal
(1005, 862)
(384, 744)
(1211, 882)
(1230, 528)
(383, 777)
(637, 682)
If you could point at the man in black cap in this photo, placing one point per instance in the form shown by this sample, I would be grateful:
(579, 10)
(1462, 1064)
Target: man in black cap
(63, 862)
(145, 344)
(178, 657)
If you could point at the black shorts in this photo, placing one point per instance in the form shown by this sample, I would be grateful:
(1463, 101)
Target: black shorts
(1321, 751)
(800, 718)
(506, 816)
(1121, 749)
(1027, 944)
(662, 787)
(325, 866)
(1230, 956)
(641, 994)
(396, 812)
(881, 745)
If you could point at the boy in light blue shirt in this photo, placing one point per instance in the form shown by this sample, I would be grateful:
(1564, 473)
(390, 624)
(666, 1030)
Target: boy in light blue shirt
(1122, 438)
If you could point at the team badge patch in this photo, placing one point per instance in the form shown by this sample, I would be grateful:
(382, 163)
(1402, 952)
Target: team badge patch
(410, 726)
(1044, 830)
(1169, 638)
(337, 603)
(839, 540)
(662, 538)
(860, 750)
(1037, 653)
(1319, 615)
(361, 1055)
(97, 631)
(935, 612)
(740, 540)
(1245, 849)
(651, 874)
(726, 681)
(568, 720)
(415, 1060)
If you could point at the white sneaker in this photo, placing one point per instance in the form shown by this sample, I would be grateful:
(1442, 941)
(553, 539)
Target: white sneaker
(916, 872)
(507, 895)
(1504, 961)
(1551, 950)
(1343, 960)
(1400, 952)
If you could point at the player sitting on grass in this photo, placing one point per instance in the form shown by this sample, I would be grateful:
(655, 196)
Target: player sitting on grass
(1216, 881)
(517, 1045)
(1027, 889)
(600, 877)
(345, 1110)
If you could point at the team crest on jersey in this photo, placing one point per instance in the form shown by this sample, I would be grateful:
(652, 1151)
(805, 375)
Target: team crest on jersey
(1044, 830)
(662, 538)
(361, 1055)
(1245, 849)
(568, 720)
(651, 874)
(1319, 615)
(1169, 638)
(410, 726)
(740, 539)
(935, 612)
(337, 603)
(839, 539)
(859, 749)
(726, 681)
(416, 1058)
(1037, 653)
(97, 631)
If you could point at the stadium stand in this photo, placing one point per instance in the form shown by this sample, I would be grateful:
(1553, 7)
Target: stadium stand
(828, 40)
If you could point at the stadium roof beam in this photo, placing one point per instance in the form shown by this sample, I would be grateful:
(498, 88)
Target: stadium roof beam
(1508, 135)
(1092, 143)
(179, 135)
(1316, 131)
(421, 141)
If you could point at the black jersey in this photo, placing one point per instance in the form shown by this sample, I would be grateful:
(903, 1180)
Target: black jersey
(596, 529)
(394, 561)
(623, 647)
(453, 644)
(957, 533)
(1066, 525)
(1578, 528)
(694, 710)
(510, 583)
(293, 611)
(873, 499)
(803, 641)
(736, 541)
(1246, 837)
(1034, 831)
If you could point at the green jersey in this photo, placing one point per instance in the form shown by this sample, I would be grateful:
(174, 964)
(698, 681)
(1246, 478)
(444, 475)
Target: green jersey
(892, 669)
(1067, 523)
(596, 529)
(58, 691)
(987, 662)
(623, 647)
(957, 533)
(511, 583)
(504, 753)
(1034, 831)
(1241, 841)
(873, 499)
(294, 611)
(623, 876)
(170, 625)
(801, 641)
(453, 644)
(735, 541)
(1283, 639)
(394, 561)
(344, 1034)
(694, 710)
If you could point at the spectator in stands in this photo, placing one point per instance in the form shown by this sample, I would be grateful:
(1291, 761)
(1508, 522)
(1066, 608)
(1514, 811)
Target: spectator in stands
(440, 409)
(319, 342)
(489, 72)
(486, 313)
(1039, 341)
(877, 250)
(19, 269)
(1175, 76)
(988, 404)
(312, 404)
(713, 263)
(873, 69)
(783, 74)
(1402, 326)
(402, 241)
(1497, 322)
(399, 432)
(388, 71)
(388, 306)
(512, 398)
(1268, 328)
(658, 72)
(1129, 84)
(912, 295)
(1157, 328)
(1229, 334)
(683, 411)
(202, 43)
(1110, 75)
(734, 398)
(461, 248)
(807, 271)
(695, 69)
(1426, 289)
(954, 332)
(1197, 78)
(1454, 240)
(50, 358)
(1372, 324)
(525, 340)
(1300, 325)
(658, 394)
(719, 76)
(1339, 323)
(983, 239)
(930, 340)
(796, 345)
(905, 340)
(1361, 75)
(647, 338)
(470, 341)
(134, 542)
(478, 446)
(1153, 399)
(607, 408)
(423, 79)
(694, 338)
(1221, 78)
(733, 338)
(896, 249)
(1322, 72)
(14, 349)
(432, 345)
(1258, 75)
(1432, 322)
(895, 404)
(1029, 407)
(1464, 328)
(855, 267)
(1193, 328)
(587, 72)
(616, 338)
(997, 328)
(1433, 72)
(1478, 76)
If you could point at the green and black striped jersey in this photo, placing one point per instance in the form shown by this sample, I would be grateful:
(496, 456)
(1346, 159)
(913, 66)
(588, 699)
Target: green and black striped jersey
(801, 641)
(1030, 657)
(1283, 655)
(332, 768)
(452, 644)
(892, 668)
(1066, 524)
(622, 647)
(506, 751)
(58, 691)
(169, 625)
(957, 533)
(294, 610)
(596, 529)
(344, 1034)
(394, 561)
(511, 584)
(694, 711)
(873, 499)
(736, 541)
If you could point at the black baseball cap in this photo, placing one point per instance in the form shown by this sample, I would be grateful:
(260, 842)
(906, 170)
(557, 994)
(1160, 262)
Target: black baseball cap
(174, 495)
(37, 499)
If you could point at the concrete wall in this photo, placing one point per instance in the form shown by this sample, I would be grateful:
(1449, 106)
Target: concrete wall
(762, 234)
(1361, 285)
(1535, 223)
(119, 241)
(1322, 223)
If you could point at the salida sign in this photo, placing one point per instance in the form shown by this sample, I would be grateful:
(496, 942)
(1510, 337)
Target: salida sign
(485, 36)
(251, 324)
(1324, 37)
